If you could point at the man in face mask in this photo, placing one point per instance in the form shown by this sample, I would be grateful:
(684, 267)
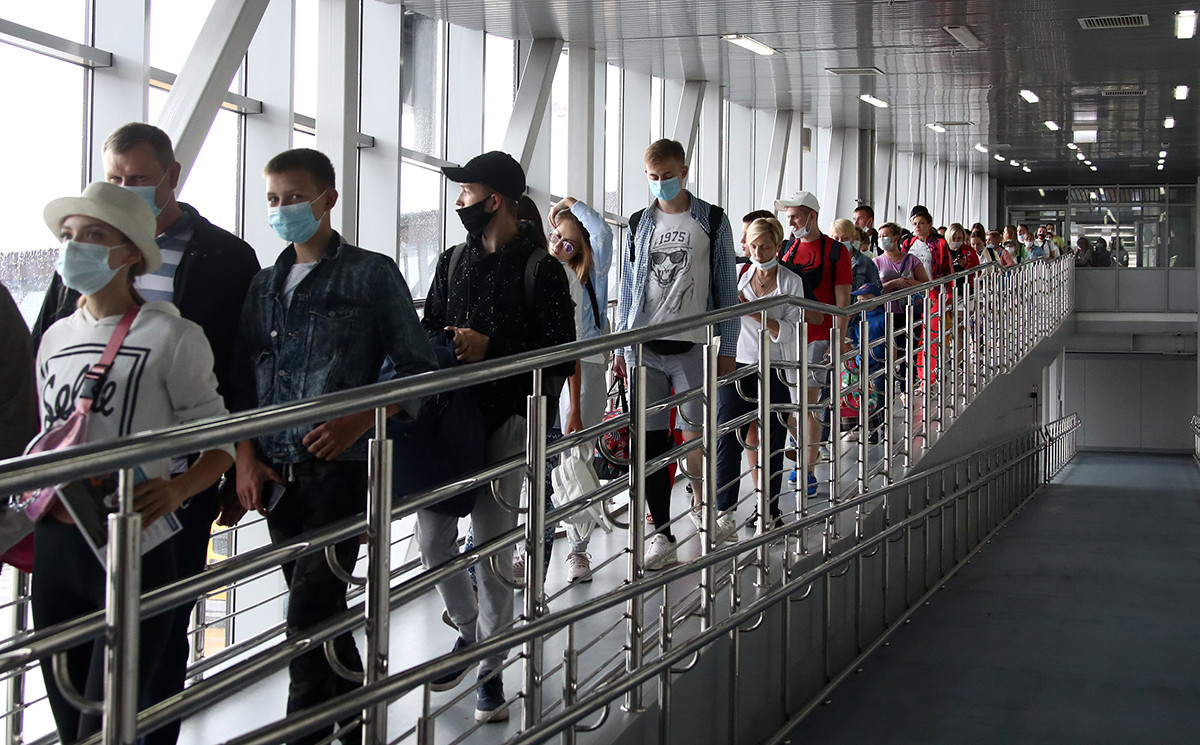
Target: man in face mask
(679, 262)
(322, 319)
(496, 294)
(864, 219)
(205, 272)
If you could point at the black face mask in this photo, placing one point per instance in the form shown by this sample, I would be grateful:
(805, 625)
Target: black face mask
(475, 218)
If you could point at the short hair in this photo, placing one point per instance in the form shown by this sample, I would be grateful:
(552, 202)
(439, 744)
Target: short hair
(756, 215)
(842, 226)
(128, 136)
(313, 162)
(996, 233)
(866, 208)
(768, 226)
(893, 228)
(664, 149)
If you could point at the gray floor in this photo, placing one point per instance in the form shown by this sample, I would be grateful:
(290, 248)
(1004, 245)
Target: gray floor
(1077, 624)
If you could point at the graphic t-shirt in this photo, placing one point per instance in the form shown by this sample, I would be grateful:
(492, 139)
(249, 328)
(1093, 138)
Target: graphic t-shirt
(678, 280)
(921, 250)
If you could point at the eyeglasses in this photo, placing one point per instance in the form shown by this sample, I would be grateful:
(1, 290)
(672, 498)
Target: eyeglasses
(556, 239)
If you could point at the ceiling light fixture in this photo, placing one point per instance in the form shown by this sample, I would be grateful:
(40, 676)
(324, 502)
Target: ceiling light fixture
(936, 128)
(1161, 166)
(1029, 96)
(750, 44)
(1014, 163)
(1084, 135)
(876, 102)
(964, 36)
(1181, 92)
(1052, 126)
(1185, 24)
(1041, 192)
(1026, 169)
(1093, 168)
(1072, 146)
(1080, 156)
(1169, 122)
(1162, 153)
(999, 157)
(980, 147)
(1087, 162)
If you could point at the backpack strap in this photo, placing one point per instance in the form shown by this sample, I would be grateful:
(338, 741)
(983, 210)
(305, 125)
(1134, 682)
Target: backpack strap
(715, 214)
(595, 304)
(452, 311)
(99, 371)
(531, 275)
(634, 219)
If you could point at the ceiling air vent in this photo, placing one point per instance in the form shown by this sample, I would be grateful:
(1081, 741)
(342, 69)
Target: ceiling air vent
(1127, 21)
(1123, 92)
(957, 124)
(853, 71)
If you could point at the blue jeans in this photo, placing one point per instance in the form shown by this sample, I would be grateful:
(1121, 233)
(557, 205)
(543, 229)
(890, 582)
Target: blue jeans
(731, 405)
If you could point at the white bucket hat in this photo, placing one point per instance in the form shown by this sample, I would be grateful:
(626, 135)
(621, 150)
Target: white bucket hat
(120, 208)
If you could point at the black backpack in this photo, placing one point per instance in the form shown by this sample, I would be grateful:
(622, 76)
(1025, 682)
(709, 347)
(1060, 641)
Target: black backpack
(714, 222)
(812, 275)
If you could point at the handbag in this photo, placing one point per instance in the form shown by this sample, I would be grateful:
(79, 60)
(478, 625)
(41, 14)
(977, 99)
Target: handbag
(611, 459)
(73, 431)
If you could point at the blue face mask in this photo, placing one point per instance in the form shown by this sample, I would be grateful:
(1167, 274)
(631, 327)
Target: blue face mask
(665, 189)
(294, 223)
(84, 266)
(148, 194)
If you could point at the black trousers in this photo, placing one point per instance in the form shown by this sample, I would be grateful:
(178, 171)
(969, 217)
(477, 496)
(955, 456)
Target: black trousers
(318, 493)
(68, 582)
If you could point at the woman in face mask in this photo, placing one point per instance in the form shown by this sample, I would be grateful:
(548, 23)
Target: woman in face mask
(898, 271)
(766, 278)
(161, 376)
(962, 256)
(863, 269)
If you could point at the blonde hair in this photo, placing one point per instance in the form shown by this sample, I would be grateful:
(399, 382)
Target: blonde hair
(767, 226)
(842, 226)
(581, 263)
(956, 228)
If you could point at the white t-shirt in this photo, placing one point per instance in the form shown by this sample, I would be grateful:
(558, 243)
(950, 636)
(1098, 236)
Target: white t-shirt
(783, 344)
(295, 277)
(678, 278)
(920, 249)
(162, 375)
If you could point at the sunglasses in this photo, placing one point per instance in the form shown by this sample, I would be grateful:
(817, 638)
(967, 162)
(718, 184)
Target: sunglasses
(556, 239)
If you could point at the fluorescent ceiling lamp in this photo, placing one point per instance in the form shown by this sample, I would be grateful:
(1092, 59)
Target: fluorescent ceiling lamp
(1026, 169)
(1093, 195)
(963, 36)
(1080, 156)
(936, 128)
(1162, 153)
(1093, 168)
(876, 102)
(1072, 146)
(979, 146)
(1185, 24)
(1029, 96)
(1052, 126)
(753, 45)
(1013, 163)
(1161, 166)
(1087, 162)
(1181, 92)
(1084, 135)
(999, 157)
(1169, 122)
(1041, 192)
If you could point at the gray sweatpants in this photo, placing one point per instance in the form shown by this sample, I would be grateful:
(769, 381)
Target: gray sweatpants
(437, 537)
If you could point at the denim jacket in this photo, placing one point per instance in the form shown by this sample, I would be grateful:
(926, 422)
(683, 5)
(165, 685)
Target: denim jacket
(349, 314)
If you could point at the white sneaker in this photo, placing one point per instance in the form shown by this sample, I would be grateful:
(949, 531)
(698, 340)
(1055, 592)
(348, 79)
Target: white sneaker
(697, 516)
(851, 436)
(727, 527)
(660, 553)
(519, 567)
(579, 567)
(826, 455)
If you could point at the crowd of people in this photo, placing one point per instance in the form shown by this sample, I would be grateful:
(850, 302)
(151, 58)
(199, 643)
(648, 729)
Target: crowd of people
(204, 331)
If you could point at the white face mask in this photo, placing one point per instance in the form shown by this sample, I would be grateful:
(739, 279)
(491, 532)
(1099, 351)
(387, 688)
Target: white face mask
(885, 242)
(765, 265)
(956, 244)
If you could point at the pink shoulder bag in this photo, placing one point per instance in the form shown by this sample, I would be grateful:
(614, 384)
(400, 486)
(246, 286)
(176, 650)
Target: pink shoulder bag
(37, 502)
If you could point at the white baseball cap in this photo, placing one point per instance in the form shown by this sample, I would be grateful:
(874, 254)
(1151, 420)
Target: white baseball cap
(799, 199)
(119, 207)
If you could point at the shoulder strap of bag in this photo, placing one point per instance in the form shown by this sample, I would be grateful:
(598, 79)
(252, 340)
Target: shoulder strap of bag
(595, 306)
(452, 301)
(101, 368)
(634, 219)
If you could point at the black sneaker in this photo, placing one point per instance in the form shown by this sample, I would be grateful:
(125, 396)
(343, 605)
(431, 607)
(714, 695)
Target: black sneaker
(490, 705)
(454, 677)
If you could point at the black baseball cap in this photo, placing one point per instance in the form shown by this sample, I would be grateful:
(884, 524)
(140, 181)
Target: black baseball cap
(495, 169)
(920, 210)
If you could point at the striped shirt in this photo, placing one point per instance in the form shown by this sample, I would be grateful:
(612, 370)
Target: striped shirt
(159, 285)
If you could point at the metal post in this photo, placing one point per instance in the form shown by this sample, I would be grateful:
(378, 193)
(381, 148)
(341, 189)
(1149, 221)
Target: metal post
(765, 477)
(889, 396)
(122, 618)
(802, 430)
(379, 573)
(835, 413)
(910, 359)
(14, 723)
(708, 489)
(635, 607)
(864, 399)
(535, 548)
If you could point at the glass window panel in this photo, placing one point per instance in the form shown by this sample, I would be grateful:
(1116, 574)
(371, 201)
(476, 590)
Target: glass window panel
(499, 88)
(65, 18)
(656, 108)
(612, 139)
(1181, 235)
(174, 27)
(212, 184)
(304, 66)
(45, 173)
(303, 138)
(559, 96)
(420, 225)
(421, 84)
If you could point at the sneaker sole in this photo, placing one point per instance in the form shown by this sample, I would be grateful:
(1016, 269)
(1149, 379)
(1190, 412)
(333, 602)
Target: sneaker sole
(580, 580)
(661, 563)
(449, 685)
(496, 715)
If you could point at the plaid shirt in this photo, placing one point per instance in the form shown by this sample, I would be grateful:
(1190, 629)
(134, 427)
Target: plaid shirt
(723, 279)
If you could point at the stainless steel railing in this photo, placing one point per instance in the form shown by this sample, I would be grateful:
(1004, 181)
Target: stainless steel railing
(971, 329)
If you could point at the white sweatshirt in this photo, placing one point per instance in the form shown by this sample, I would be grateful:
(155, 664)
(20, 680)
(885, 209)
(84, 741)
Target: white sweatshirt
(162, 376)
